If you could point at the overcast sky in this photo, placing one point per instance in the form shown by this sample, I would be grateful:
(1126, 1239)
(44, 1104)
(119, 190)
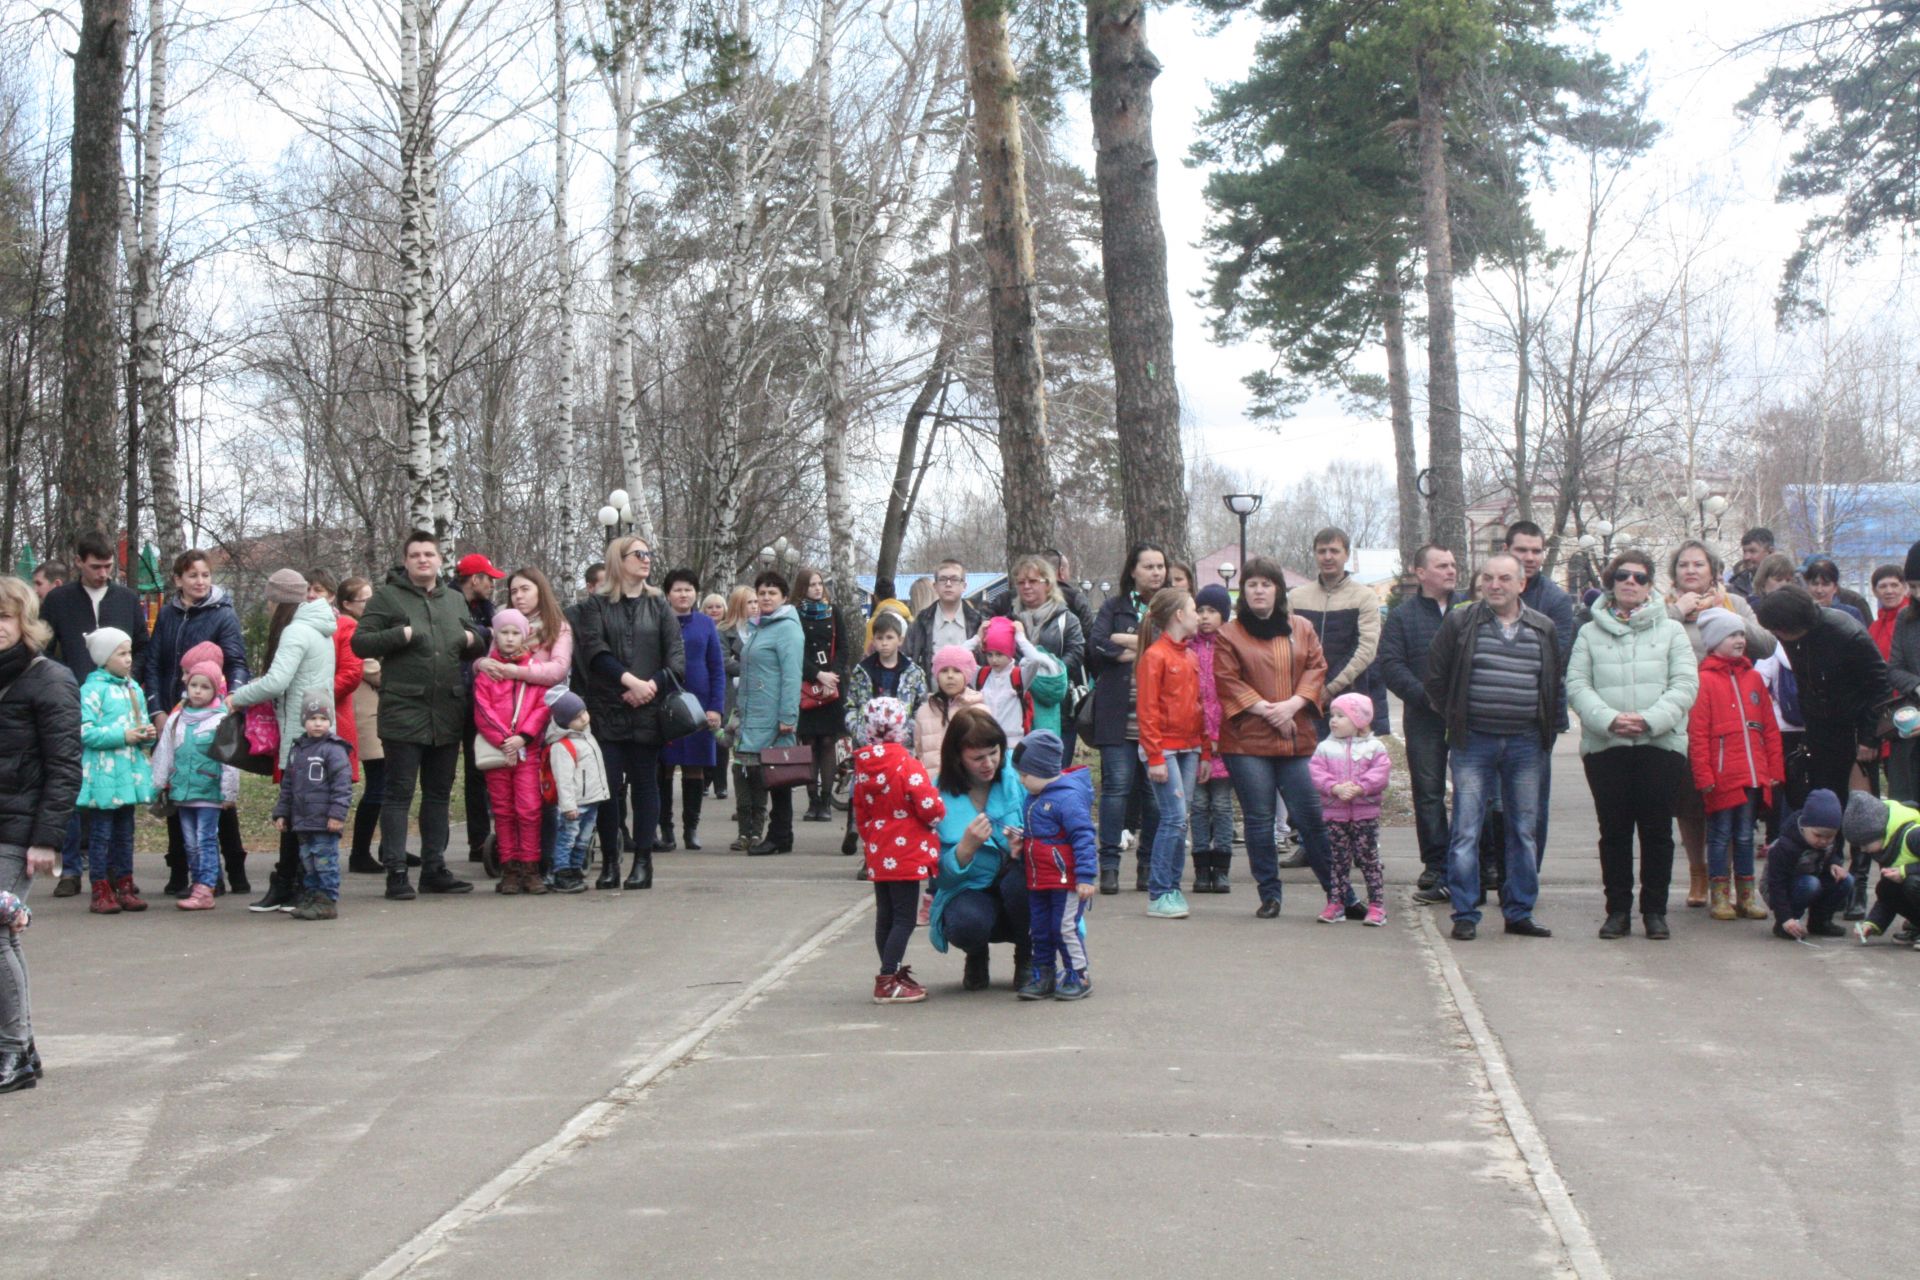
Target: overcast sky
(1694, 88)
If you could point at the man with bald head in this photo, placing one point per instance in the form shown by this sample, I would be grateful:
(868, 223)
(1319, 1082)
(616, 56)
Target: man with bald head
(1493, 674)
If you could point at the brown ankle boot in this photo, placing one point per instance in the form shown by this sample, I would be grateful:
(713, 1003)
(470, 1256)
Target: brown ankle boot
(1722, 900)
(1696, 886)
(1747, 905)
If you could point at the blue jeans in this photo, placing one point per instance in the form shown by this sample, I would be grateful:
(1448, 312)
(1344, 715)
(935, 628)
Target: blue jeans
(320, 863)
(1820, 896)
(1170, 828)
(571, 838)
(1121, 774)
(1260, 781)
(1210, 816)
(73, 851)
(1730, 827)
(1507, 766)
(109, 843)
(200, 831)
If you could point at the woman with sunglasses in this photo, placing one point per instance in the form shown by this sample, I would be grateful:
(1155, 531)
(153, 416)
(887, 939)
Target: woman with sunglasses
(1632, 681)
(626, 637)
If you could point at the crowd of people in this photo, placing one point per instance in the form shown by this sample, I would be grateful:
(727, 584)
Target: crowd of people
(1767, 697)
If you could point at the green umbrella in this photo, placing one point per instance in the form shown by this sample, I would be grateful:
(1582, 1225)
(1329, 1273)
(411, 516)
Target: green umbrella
(148, 577)
(27, 563)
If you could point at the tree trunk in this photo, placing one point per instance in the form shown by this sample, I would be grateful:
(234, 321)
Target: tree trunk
(90, 411)
(836, 418)
(1133, 255)
(1406, 476)
(144, 273)
(1019, 380)
(415, 398)
(624, 84)
(1447, 509)
(568, 521)
(731, 474)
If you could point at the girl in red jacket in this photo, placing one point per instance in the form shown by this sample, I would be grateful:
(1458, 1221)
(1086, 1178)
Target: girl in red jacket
(512, 716)
(1172, 727)
(1733, 742)
(896, 810)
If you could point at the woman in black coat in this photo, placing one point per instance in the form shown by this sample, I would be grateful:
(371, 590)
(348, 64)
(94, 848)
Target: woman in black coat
(39, 779)
(1112, 650)
(623, 640)
(825, 667)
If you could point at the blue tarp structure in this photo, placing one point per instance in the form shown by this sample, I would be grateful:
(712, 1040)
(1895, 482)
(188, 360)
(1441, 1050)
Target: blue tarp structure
(1868, 524)
(980, 586)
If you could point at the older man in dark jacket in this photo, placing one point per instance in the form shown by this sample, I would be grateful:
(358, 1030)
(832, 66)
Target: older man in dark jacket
(1405, 642)
(421, 632)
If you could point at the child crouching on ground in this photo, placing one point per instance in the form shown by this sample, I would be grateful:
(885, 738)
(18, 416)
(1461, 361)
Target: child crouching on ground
(1733, 743)
(198, 785)
(896, 809)
(1890, 832)
(1063, 865)
(316, 788)
(1211, 808)
(1350, 771)
(1807, 872)
(579, 776)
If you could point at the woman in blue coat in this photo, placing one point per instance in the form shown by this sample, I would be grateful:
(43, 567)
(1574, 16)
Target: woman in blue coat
(707, 681)
(196, 612)
(770, 663)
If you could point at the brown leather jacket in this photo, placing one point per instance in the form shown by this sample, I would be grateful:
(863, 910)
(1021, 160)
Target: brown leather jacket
(1247, 671)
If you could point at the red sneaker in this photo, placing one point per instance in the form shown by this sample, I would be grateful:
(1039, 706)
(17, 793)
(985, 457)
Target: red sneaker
(905, 989)
(883, 985)
(128, 895)
(104, 903)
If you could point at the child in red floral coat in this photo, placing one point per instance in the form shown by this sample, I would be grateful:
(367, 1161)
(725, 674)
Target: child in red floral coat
(896, 808)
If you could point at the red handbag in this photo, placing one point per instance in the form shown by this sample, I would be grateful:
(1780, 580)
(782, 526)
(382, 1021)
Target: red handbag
(813, 694)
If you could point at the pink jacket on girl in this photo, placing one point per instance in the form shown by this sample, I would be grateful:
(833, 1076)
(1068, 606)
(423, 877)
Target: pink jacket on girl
(1212, 765)
(493, 706)
(1362, 760)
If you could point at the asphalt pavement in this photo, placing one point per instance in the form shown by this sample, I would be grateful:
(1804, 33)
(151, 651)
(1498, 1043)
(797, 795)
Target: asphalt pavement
(693, 1081)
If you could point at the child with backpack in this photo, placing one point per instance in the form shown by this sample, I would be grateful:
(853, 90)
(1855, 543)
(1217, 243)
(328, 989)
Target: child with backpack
(1350, 770)
(115, 775)
(199, 786)
(898, 809)
(316, 787)
(1733, 744)
(574, 781)
(883, 673)
(511, 717)
(1013, 663)
(954, 671)
(1062, 858)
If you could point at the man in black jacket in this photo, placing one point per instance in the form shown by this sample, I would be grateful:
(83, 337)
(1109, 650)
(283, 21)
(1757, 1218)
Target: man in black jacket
(1492, 675)
(1405, 641)
(73, 610)
(1843, 689)
(1528, 544)
(948, 620)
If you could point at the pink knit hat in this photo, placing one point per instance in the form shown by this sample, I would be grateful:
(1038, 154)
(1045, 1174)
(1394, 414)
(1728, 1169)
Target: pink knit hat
(954, 655)
(211, 670)
(999, 637)
(1357, 707)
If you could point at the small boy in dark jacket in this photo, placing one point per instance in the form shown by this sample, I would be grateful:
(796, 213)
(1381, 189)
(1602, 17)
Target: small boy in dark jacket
(1889, 832)
(315, 789)
(1807, 871)
(1063, 865)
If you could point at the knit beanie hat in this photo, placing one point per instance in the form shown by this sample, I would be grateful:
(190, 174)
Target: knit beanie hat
(104, 643)
(316, 702)
(1865, 821)
(566, 708)
(1716, 625)
(1357, 707)
(286, 586)
(512, 618)
(1822, 809)
(205, 651)
(1912, 572)
(959, 656)
(886, 720)
(1214, 596)
(1040, 754)
(211, 670)
(998, 637)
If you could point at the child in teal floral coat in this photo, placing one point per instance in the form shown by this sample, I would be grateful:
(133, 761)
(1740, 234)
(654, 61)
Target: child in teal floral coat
(115, 775)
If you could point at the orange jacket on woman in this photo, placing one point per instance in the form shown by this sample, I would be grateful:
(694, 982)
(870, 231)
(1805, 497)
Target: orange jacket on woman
(1248, 669)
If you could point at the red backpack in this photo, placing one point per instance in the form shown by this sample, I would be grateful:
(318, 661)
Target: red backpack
(1019, 689)
(549, 788)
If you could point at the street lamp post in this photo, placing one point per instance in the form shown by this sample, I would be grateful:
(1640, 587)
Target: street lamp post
(617, 516)
(1227, 571)
(1242, 505)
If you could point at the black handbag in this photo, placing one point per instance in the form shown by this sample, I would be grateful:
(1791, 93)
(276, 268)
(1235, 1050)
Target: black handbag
(681, 715)
(230, 746)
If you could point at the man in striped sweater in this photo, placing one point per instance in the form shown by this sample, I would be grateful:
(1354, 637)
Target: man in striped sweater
(1493, 674)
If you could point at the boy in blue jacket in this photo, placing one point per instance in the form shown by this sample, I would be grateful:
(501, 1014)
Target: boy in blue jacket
(1807, 872)
(316, 786)
(1063, 865)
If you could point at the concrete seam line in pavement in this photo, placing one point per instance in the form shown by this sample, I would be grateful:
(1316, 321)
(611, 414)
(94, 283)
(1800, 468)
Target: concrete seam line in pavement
(1583, 1252)
(602, 1110)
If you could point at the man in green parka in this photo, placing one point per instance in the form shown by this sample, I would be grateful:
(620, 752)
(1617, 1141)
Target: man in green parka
(421, 632)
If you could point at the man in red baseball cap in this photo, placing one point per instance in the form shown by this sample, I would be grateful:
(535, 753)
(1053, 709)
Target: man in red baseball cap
(475, 576)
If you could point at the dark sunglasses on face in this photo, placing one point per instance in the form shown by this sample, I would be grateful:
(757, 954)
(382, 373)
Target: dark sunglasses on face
(1632, 575)
(635, 553)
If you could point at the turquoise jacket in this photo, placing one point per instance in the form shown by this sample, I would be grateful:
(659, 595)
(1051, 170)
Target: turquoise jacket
(114, 772)
(1006, 807)
(1643, 664)
(770, 681)
(303, 661)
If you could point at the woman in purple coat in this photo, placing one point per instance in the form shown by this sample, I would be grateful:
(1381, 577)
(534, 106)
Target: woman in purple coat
(707, 681)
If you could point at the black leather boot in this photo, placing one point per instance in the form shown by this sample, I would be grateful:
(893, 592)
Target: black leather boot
(16, 1071)
(609, 869)
(641, 877)
(693, 794)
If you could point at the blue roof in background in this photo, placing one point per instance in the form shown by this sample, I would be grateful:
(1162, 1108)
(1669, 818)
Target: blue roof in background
(903, 580)
(1870, 522)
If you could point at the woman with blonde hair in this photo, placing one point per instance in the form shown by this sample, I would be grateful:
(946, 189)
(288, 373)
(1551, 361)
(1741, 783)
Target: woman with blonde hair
(40, 737)
(738, 611)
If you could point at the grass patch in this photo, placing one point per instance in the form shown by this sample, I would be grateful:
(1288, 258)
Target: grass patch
(257, 798)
